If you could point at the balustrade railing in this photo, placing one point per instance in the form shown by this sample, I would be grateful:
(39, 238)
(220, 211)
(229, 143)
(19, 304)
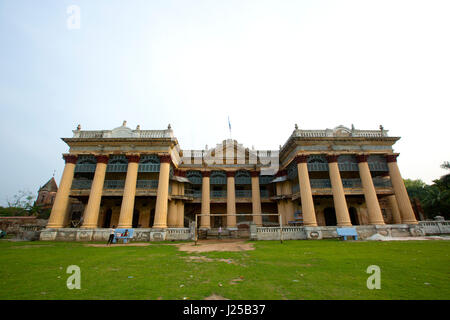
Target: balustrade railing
(85, 167)
(243, 193)
(218, 180)
(81, 184)
(346, 166)
(382, 183)
(148, 167)
(317, 166)
(242, 180)
(218, 194)
(147, 184)
(320, 183)
(378, 166)
(351, 183)
(114, 184)
(117, 167)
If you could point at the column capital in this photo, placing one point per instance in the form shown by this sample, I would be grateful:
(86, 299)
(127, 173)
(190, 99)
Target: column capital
(332, 157)
(254, 173)
(133, 158)
(102, 158)
(302, 158)
(165, 158)
(230, 173)
(70, 158)
(206, 174)
(362, 158)
(391, 157)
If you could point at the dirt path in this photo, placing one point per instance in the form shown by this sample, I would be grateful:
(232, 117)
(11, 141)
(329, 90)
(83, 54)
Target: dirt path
(216, 245)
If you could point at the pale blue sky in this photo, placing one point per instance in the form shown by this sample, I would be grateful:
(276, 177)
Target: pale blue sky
(266, 64)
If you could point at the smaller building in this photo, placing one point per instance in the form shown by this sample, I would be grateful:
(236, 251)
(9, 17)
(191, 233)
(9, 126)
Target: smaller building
(46, 194)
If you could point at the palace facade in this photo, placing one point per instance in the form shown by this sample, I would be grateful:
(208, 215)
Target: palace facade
(143, 179)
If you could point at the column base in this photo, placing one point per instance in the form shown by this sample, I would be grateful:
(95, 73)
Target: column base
(410, 222)
(124, 227)
(54, 226)
(344, 225)
(89, 226)
(159, 226)
(310, 224)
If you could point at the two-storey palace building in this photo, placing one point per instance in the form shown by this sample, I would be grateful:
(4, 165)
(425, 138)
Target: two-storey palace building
(143, 179)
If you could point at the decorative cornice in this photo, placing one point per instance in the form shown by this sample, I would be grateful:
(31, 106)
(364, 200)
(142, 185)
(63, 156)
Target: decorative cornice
(332, 157)
(165, 158)
(391, 157)
(70, 158)
(362, 158)
(133, 158)
(102, 158)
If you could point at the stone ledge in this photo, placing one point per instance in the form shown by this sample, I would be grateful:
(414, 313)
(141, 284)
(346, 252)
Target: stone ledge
(102, 234)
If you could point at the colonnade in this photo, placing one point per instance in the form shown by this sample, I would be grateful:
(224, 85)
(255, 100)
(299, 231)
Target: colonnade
(91, 214)
(205, 218)
(400, 203)
(171, 213)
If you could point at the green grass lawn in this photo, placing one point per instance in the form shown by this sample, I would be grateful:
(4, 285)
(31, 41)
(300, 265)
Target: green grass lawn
(325, 269)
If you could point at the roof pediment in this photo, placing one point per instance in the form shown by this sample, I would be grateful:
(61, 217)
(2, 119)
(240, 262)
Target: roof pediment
(121, 132)
(341, 131)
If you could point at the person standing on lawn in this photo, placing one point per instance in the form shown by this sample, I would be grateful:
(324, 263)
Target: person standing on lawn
(220, 232)
(111, 235)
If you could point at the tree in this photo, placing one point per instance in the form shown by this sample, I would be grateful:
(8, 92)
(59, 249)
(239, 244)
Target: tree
(23, 204)
(416, 188)
(435, 198)
(445, 179)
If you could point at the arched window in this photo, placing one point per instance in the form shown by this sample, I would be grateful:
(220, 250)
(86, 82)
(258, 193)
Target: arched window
(194, 176)
(149, 158)
(117, 159)
(242, 173)
(242, 177)
(86, 159)
(218, 177)
(317, 159)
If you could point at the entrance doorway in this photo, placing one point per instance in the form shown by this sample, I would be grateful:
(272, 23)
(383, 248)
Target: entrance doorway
(330, 216)
(107, 220)
(353, 216)
(135, 222)
(152, 218)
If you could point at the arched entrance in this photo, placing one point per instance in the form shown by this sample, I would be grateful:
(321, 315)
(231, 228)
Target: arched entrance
(353, 216)
(330, 216)
(107, 220)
